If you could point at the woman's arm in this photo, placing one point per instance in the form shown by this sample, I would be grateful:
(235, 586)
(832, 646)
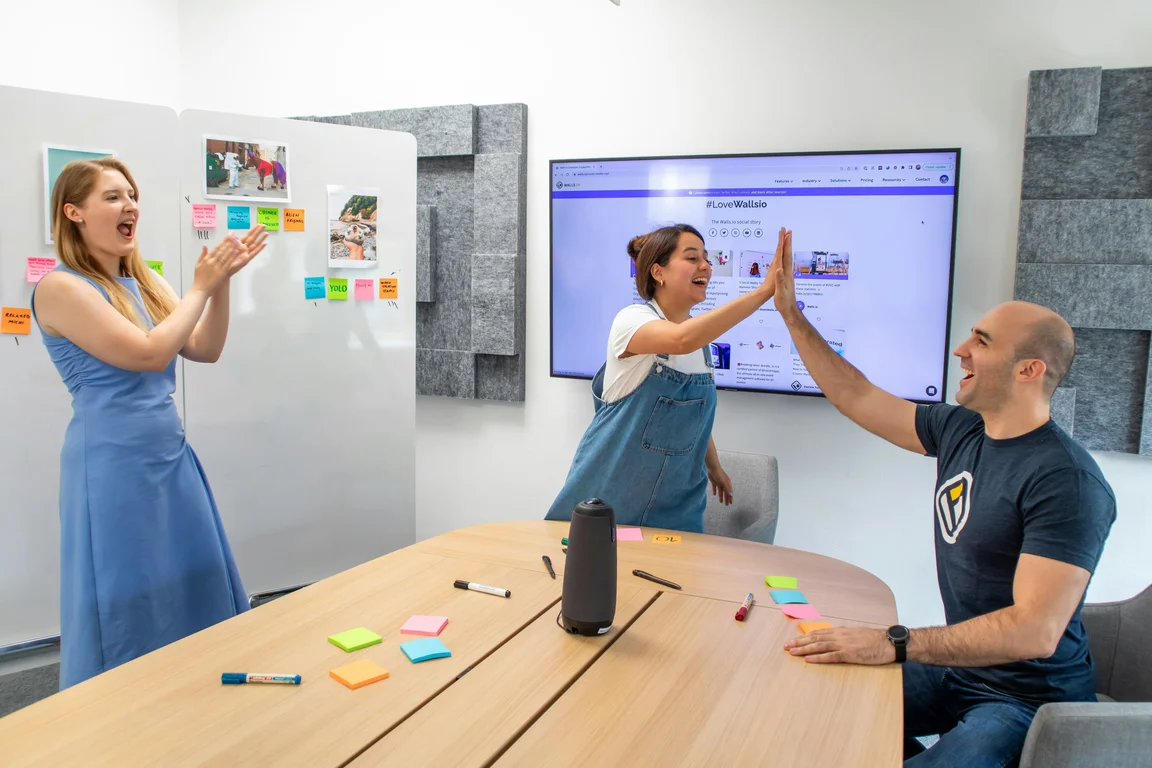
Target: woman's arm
(721, 483)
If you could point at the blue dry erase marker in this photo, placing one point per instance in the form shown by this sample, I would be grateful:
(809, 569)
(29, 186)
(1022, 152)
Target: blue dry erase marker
(239, 678)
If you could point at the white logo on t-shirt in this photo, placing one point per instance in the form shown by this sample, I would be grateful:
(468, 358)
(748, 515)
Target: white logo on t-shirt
(953, 504)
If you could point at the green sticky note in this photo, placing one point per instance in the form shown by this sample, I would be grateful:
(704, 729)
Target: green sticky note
(269, 217)
(337, 289)
(156, 266)
(780, 582)
(355, 639)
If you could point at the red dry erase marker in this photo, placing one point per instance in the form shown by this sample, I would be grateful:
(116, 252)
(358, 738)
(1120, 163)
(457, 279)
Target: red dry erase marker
(740, 614)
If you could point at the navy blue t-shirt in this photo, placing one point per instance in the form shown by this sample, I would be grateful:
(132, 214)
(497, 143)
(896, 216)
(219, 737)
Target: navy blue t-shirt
(1039, 494)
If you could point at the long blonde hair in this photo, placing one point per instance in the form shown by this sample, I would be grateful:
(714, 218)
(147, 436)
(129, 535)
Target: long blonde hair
(74, 185)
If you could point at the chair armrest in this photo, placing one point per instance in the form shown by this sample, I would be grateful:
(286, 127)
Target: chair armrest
(1085, 735)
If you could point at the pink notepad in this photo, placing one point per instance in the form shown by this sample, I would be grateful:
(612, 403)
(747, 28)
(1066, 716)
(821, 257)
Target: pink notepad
(629, 534)
(429, 626)
(800, 611)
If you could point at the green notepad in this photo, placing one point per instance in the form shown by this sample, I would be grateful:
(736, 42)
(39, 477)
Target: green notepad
(780, 582)
(355, 639)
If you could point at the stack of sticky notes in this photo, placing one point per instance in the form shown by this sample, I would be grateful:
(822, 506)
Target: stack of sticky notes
(355, 639)
(425, 649)
(429, 626)
(791, 601)
(359, 673)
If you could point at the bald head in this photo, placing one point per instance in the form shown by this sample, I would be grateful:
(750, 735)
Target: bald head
(1041, 334)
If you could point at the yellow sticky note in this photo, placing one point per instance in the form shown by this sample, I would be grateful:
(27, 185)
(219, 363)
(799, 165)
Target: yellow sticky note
(665, 538)
(812, 626)
(389, 287)
(16, 320)
(359, 673)
(294, 219)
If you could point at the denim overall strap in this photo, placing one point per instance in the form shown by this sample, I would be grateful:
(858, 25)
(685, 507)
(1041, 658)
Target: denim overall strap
(644, 454)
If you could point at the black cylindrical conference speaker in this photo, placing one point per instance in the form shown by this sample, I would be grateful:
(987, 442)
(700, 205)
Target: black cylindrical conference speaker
(589, 599)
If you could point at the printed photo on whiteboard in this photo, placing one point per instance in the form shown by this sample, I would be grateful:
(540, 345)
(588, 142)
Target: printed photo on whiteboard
(257, 171)
(55, 158)
(352, 227)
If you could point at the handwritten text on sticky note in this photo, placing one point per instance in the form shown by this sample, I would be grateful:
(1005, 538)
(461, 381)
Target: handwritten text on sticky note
(239, 217)
(15, 320)
(364, 290)
(269, 217)
(37, 268)
(314, 287)
(294, 219)
(665, 538)
(338, 288)
(389, 287)
(156, 266)
(204, 215)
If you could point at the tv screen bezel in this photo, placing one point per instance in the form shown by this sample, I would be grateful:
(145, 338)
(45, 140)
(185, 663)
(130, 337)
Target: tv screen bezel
(943, 395)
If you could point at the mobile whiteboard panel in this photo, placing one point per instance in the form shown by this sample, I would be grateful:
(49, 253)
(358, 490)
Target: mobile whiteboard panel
(34, 405)
(306, 424)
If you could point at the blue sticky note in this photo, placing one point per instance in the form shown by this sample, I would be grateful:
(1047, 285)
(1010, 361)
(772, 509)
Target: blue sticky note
(239, 217)
(783, 596)
(424, 649)
(314, 288)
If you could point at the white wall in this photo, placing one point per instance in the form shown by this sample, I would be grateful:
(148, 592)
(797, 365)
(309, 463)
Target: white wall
(663, 77)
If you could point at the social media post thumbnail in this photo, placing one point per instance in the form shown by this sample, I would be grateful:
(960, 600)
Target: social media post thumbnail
(820, 265)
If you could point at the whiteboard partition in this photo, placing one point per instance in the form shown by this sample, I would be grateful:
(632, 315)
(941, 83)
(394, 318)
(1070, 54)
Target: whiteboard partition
(305, 426)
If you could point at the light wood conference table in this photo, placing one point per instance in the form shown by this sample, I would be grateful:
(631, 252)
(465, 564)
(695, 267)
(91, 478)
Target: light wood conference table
(676, 682)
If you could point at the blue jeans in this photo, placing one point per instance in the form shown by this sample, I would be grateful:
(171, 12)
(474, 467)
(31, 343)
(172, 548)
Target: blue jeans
(978, 727)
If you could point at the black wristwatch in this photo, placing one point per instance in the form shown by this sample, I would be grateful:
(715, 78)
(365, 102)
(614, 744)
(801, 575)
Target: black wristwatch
(898, 635)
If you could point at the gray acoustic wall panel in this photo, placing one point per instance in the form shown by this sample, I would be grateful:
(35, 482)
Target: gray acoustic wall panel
(439, 131)
(1090, 295)
(1085, 244)
(471, 245)
(425, 248)
(1086, 231)
(1063, 102)
(1115, 163)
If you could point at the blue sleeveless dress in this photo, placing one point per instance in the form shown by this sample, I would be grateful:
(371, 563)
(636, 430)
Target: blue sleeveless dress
(644, 453)
(143, 556)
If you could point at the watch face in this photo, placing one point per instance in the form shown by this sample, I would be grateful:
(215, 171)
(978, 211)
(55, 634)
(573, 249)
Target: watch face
(898, 634)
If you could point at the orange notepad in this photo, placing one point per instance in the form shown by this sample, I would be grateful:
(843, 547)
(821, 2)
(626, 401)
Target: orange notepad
(812, 626)
(359, 673)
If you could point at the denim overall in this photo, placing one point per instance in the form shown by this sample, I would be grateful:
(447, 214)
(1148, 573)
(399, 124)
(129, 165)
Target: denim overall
(644, 453)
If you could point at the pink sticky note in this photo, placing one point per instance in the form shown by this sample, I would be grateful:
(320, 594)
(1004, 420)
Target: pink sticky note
(37, 268)
(364, 290)
(204, 215)
(430, 626)
(800, 611)
(629, 534)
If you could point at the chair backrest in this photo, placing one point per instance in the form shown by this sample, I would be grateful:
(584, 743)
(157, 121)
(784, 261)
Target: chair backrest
(756, 499)
(1118, 638)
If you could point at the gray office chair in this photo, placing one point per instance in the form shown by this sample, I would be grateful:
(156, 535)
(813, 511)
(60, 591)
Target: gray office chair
(1117, 731)
(756, 499)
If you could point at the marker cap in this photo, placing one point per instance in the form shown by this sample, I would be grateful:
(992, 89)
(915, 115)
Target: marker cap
(234, 678)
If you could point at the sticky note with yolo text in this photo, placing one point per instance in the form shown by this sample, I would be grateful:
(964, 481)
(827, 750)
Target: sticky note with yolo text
(37, 268)
(204, 215)
(364, 290)
(16, 320)
(269, 217)
(294, 219)
(338, 289)
(313, 287)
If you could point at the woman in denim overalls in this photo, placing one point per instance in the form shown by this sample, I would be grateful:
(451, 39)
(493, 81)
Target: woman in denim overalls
(649, 450)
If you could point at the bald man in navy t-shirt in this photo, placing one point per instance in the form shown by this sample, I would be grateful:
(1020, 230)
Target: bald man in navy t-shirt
(1021, 515)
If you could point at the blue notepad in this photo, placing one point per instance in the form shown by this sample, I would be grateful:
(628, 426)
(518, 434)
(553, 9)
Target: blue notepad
(425, 649)
(783, 596)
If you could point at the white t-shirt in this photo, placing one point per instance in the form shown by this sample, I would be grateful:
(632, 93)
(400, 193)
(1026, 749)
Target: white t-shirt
(622, 377)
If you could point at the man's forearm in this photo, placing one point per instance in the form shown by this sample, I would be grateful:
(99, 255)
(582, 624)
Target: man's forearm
(999, 637)
(837, 378)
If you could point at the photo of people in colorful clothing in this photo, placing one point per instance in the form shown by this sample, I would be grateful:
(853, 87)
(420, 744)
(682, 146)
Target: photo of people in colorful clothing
(257, 171)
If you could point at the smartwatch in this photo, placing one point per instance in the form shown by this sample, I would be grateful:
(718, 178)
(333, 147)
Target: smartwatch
(898, 635)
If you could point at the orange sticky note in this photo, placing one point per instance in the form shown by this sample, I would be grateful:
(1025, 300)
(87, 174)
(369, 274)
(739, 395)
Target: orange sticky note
(359, 673)
(16, 320)
(294, 219)
(665, 538)
(812, 626)
(389, 287)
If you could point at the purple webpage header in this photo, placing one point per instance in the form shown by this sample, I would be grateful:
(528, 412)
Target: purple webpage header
(943, 189)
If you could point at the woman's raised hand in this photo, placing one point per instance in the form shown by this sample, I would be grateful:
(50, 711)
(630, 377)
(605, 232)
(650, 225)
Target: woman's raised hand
(213, 267)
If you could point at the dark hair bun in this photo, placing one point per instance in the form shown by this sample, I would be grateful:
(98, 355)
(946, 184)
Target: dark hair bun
(635, 245)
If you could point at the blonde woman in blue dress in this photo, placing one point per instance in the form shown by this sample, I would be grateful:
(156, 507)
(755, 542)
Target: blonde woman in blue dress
(143, 556)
